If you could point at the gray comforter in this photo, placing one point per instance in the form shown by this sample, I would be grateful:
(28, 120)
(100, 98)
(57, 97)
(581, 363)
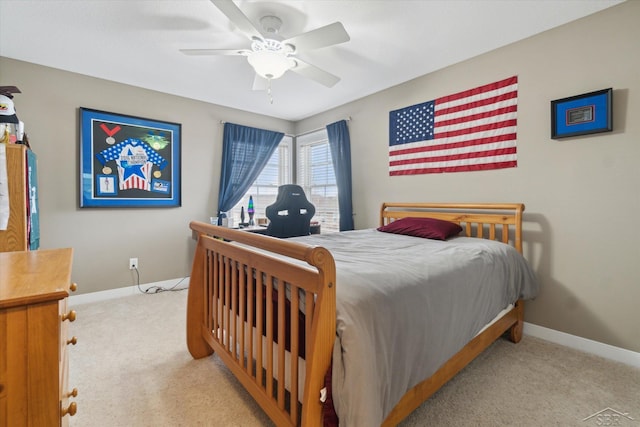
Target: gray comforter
(405, 305)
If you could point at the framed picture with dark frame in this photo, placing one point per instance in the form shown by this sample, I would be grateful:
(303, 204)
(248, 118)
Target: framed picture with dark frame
(128, 161)
(582, 114)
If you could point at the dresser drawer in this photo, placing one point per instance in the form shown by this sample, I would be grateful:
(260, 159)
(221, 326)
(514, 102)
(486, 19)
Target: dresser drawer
(66, 317)
(34, 321)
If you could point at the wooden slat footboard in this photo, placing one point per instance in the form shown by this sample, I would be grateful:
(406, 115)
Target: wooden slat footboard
(242, 304)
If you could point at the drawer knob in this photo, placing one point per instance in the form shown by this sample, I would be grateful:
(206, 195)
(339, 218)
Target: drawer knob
(71, 409)
(73, 287)
(73, 393)
(72, 341)
(70, 316)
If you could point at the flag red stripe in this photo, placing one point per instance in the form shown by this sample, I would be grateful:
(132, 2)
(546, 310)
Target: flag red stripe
(462, 168)
(476, 104)
(489, 126)
(451, 145)
(477, 116)
(478, 90)
(453, 157)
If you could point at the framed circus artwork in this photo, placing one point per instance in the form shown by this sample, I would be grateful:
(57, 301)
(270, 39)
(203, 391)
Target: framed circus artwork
(128, 161)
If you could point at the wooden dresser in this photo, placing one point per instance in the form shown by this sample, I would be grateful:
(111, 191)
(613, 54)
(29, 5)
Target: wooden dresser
(34, 368)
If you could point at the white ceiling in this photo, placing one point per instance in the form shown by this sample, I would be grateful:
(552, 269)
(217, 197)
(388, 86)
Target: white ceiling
(136, 42)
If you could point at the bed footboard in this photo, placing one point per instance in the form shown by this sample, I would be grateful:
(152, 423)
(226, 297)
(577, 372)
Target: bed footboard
(246, 292)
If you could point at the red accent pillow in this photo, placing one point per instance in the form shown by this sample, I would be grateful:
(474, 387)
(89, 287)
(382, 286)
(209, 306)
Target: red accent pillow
(429, 228)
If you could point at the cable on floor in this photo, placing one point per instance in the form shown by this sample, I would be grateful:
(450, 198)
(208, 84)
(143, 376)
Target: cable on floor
(157, 289)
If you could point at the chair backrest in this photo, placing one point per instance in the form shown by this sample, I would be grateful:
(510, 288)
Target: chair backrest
(291, 213)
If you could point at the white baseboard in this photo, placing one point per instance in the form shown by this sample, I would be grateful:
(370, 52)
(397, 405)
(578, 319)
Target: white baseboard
(607, 351)
(126, 291)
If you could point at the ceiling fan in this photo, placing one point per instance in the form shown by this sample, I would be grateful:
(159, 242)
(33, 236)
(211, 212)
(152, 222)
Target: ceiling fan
(269, 55)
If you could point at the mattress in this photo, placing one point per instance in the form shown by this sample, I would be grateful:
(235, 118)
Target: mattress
(405, 305)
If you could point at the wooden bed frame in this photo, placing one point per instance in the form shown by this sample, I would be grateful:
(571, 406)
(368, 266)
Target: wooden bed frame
(233, 270)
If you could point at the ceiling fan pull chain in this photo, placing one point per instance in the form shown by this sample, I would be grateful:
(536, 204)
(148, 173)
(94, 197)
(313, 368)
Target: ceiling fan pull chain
(269, 91)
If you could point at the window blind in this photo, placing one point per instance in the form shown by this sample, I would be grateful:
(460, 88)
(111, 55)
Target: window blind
(315, 174)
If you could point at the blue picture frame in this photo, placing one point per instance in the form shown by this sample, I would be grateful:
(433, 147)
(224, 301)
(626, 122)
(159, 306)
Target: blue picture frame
(582, 114)
(128, 161)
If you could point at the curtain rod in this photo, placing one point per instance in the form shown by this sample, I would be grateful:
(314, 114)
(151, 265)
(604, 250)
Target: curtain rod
(348, 118)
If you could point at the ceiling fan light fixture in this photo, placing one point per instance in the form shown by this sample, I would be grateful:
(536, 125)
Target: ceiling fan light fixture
(269, 58)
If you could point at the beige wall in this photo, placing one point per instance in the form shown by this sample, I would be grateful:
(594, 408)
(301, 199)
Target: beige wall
(581, 194)
(105, 239)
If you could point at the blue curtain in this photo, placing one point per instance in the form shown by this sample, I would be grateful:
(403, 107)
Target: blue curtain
(340, 145)
(245, 152)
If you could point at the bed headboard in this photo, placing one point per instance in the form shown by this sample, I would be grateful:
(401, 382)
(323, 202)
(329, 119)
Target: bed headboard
(495, 221)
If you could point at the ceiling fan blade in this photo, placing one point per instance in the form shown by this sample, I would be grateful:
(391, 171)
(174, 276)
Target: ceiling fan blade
(209, 52)
(238, 18)
(321, 37)
(314, 73)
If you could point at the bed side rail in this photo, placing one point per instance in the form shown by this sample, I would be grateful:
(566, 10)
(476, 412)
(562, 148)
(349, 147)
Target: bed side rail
(258, 312)
(494, 221)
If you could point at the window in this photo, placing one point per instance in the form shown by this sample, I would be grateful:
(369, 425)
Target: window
(265, 188)
(315, 174)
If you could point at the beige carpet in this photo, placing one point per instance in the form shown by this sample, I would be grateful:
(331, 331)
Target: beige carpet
(132, 368)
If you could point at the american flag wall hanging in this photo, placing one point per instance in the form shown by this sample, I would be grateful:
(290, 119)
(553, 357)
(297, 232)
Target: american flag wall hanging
(467, 131)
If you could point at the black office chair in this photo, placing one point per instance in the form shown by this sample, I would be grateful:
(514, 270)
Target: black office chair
(290, 215)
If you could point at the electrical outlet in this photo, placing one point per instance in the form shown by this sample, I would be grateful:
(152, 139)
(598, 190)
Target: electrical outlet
(133, 263)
